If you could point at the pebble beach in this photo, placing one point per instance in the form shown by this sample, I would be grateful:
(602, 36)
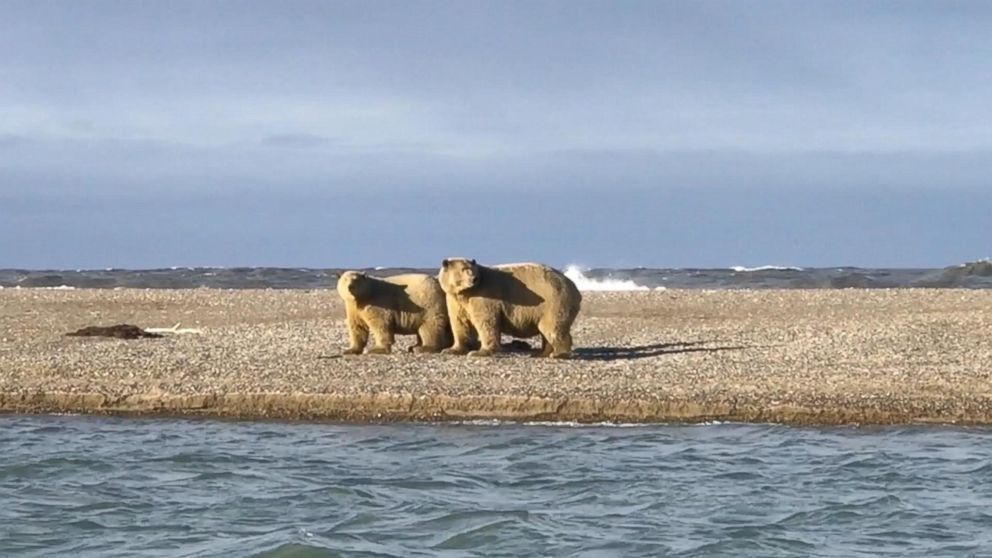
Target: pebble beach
(822, 357)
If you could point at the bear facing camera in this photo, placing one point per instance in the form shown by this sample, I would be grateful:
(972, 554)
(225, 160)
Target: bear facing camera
(522, 300)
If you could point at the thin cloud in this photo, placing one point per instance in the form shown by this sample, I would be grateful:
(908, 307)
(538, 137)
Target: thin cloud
(505, 76)
(295, 141)
(671, 129)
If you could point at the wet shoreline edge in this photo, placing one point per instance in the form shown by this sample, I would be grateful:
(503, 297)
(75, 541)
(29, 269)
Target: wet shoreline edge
(406, 408)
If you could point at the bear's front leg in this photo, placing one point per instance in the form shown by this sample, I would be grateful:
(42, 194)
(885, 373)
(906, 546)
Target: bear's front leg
(358, 335)
(461, 329)
(486, 324)
(383, 334)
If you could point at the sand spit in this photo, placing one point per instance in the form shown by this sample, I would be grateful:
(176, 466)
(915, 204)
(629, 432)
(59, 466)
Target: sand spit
(797, 357)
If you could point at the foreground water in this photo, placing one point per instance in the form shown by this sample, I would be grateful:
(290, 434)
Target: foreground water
(85, 486)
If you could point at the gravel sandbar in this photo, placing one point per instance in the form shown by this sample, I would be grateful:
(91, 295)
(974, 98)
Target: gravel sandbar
(788, 356)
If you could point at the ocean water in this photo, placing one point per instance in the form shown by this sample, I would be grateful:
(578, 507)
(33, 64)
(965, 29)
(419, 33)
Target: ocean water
(971, 275)
(92, 486)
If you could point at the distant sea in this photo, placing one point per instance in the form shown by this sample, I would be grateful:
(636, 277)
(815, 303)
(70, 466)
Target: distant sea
(115, 487)
(970, 275)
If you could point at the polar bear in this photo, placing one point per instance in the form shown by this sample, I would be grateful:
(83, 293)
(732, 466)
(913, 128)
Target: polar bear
(522, 300)
(403, 304)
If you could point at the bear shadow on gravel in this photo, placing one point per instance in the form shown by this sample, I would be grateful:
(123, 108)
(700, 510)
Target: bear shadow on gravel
(634, 352)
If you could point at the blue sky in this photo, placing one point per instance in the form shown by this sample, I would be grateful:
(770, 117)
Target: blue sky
(675, 134)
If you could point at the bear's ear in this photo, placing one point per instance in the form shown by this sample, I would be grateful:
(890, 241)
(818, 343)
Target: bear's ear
(446, 263)
(472, 262)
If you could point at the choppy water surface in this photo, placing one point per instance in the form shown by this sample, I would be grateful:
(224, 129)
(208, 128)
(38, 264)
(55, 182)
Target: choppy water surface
(970, 275)
(84, 486)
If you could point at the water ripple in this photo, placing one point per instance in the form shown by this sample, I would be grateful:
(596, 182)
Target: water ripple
(91, 486)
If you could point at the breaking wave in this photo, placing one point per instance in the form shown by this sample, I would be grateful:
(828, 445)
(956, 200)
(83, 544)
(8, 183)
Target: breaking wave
(742, 269)
(586, 284)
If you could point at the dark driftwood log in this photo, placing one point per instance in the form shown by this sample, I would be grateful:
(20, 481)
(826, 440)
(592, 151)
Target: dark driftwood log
(120, 331)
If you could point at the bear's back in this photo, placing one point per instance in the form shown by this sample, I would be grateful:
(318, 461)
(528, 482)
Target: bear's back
(532, 284)
(540, 278)
(422, 289)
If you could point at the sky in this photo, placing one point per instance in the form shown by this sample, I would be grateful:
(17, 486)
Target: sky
(139, 134)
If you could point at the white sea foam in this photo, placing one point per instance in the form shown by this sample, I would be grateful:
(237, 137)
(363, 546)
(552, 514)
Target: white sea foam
(979, 261)
(576, 424)
(586, 284)
(556, 423)
(742, 269)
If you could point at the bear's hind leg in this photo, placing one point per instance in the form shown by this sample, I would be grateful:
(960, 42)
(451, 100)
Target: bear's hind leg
(563, 347)
(434, 337)
(559, 340)
(545, 348)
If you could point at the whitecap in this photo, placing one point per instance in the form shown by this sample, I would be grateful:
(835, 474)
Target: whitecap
(552, 423)
(576, 424)
(979, 261)
(585, 284)
(742, 269)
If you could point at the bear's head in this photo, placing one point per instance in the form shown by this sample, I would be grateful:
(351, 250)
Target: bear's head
(354, 285)
(458, 275)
